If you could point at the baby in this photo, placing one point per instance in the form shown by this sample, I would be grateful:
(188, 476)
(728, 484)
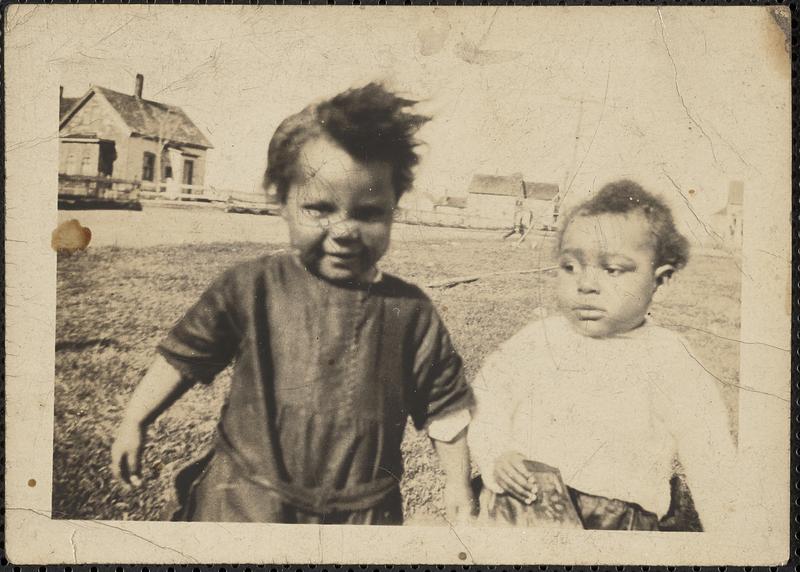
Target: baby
(599, 392)
(330, 355)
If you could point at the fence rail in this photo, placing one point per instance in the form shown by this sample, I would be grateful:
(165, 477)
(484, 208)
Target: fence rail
(88, 184)
(76, 190)
(173, 191)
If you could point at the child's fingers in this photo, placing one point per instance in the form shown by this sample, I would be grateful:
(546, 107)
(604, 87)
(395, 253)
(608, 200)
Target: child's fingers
(520, 476)
(125, 467)
(134, 458)
(120, 470)
(511, 485)
(134, 461)
(519, 465)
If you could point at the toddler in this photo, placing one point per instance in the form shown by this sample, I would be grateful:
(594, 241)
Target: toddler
(330, 355)
(602, 394)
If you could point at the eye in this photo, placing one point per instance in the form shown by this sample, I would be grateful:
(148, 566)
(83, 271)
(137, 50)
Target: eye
(614, 270)
(370, 213)
(316, 210)
(567, 266)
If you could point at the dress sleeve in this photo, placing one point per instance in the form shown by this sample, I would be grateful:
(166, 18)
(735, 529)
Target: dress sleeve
(440, 386)
(207, 338)
(701, 428)
(490, 432)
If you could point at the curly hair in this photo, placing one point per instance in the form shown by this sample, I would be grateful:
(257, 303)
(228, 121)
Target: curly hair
(624, 196)
(369, 122)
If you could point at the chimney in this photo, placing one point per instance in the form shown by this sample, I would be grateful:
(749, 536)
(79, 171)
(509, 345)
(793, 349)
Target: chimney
(139, 84)
(60, 92)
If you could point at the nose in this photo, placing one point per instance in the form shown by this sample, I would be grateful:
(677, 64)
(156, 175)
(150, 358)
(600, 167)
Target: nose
(587, 282)
(344, 230)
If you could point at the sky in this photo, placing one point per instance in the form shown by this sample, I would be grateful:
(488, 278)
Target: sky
(683, 100)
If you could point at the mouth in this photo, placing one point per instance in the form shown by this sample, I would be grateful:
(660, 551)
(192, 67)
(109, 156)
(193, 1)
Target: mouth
(344, 255)
(344, 260)
(588, 313)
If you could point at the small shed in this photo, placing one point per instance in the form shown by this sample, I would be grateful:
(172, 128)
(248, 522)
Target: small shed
(106, 133)
(495, 197)
(542, 201)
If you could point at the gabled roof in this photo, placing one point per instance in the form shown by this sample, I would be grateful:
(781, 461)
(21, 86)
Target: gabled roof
(496, 185)
(540, 191)
(147, 118)
(65, 104)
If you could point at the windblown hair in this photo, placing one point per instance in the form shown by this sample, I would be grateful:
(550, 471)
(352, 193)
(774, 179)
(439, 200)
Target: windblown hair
(370, 123)
(623, 197)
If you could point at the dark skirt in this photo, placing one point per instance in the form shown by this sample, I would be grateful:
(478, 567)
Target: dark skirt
(212, 490)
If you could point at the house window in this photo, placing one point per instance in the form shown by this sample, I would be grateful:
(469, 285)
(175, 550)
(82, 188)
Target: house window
(70, 166)
(86, 166)
(148, 166)
(188, 172)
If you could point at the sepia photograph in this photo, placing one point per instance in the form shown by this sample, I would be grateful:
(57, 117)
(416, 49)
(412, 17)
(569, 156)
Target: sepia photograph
(510, 283)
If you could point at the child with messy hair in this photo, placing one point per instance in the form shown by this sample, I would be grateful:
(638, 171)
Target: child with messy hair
(331, 356)
(601, 394)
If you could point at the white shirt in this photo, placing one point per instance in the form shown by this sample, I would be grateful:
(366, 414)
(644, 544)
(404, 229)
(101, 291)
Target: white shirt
(613, 414)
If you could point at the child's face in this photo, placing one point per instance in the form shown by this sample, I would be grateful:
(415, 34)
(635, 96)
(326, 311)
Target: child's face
(339, 212)
(606, 277)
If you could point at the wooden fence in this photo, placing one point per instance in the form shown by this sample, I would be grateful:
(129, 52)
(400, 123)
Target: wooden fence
(174, 192)
(75, 191)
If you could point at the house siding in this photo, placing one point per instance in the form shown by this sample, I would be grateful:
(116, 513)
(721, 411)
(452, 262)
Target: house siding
(95, 118)
(497, 208)
(199, 158)
(542, 212)
(71, 156)
(138, 146)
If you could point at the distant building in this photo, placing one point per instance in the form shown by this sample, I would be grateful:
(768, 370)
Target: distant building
(728, 220)
(450, 204)
(495, 197)
(507, 201)
(542, 201)
(105, 133)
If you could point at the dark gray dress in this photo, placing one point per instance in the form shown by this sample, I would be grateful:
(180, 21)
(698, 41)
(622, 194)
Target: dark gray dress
(325, 377)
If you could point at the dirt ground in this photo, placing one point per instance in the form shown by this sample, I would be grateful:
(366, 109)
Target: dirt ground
(116, 302)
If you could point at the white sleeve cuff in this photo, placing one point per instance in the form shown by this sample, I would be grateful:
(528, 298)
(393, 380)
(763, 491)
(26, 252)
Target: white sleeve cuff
(448, 426)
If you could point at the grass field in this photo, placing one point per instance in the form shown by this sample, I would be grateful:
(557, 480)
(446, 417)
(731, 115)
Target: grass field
(114, 305)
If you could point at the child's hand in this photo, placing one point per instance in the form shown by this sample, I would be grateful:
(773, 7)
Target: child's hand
(511, 474)
(126, 454)
(459, 503)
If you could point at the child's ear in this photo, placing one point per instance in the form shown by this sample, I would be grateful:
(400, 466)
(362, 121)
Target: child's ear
(663, 274)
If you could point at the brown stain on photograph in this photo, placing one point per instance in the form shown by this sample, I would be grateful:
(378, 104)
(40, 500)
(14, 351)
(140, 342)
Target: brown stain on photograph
(70, 237)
